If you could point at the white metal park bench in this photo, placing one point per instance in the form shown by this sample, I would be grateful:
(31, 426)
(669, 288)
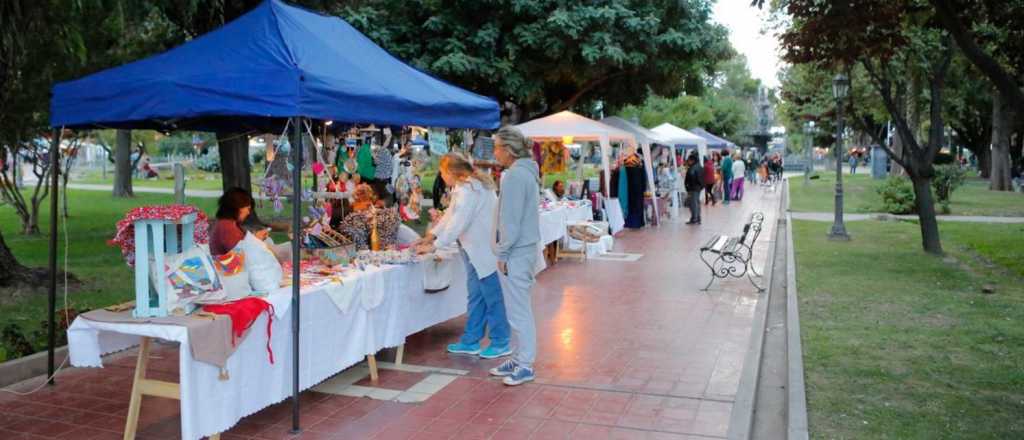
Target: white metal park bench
(731, 256)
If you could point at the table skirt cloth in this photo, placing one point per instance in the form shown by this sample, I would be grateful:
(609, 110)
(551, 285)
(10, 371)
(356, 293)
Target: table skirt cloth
(330, 341)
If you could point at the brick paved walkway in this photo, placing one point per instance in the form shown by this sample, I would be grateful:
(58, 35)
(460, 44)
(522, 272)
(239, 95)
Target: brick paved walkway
(627, 351)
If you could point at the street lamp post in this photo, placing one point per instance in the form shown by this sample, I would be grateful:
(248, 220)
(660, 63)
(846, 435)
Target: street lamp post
(840, 88)
(808, 145)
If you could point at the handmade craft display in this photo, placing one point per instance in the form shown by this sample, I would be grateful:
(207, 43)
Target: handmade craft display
(125, 235)
(553, 153)
(231, 269)
(187, 279)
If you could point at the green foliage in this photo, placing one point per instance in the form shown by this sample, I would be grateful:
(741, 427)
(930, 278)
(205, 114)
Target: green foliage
(947, 179)
(548, 56)
(209, 162)
(897, 195)
(726, 107)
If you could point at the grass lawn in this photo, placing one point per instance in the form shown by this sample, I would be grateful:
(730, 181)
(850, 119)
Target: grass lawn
(194, 179)
(901, 345)
(973, 198)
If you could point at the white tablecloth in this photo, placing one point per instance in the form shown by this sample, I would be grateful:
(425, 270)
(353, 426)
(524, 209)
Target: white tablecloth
(330, 341)
(552, 225)
(614, 211)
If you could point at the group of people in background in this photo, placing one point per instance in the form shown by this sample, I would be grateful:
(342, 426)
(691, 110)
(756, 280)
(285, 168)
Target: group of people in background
(722, 177)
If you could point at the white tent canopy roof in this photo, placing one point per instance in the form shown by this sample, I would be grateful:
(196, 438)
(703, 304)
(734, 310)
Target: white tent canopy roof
(643, 135)
(671, 135)
(580, 128)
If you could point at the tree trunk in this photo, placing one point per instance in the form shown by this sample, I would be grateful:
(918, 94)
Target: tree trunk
(1017, 151)
(123, 164)
(985, 162)
(10, 269)
(31, 227)
(235, 169)
(1002, 129)
(895, 169)
(925, 205)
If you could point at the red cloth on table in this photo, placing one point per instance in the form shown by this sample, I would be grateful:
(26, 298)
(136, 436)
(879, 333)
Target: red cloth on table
(225, 235)
(125, 235)
(243, 314)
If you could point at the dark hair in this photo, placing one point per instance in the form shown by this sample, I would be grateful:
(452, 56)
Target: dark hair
(231, 202)
(725, 152)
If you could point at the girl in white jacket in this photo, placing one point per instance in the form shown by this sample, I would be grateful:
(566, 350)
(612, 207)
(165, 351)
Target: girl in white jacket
(469, 221)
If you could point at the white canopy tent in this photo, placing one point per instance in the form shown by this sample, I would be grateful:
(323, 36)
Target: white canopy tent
(646, 138)
(671, 135)
(568, 124)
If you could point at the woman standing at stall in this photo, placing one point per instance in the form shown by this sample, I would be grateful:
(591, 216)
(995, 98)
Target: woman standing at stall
(469, 221)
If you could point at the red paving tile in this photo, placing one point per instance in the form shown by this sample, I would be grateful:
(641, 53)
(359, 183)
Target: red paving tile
(626, 351)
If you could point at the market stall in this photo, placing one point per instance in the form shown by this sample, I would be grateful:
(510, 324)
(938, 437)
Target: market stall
(273, 69)
(713, 142)
(669, 134)
(340, 322)
(567, 124)
(646, 138)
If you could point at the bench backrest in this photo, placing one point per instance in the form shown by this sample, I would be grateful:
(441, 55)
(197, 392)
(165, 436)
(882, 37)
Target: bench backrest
(752, 226)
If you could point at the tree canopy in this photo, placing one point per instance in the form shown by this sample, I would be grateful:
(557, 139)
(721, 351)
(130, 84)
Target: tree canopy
(547, 56)
(725, 107)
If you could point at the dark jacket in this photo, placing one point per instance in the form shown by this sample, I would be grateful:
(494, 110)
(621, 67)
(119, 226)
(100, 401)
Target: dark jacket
(694, 179)
(438, 192)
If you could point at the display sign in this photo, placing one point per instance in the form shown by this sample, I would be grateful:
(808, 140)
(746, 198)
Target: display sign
(483, 148)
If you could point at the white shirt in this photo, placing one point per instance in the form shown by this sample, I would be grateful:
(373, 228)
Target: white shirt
(470, 220)
(739, 169)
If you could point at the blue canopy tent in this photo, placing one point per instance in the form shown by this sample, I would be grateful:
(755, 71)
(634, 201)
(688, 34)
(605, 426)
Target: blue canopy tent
(713, 141)
(274, 64)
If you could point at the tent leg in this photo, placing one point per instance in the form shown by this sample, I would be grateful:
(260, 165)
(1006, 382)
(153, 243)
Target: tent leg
(52, 297)
(296, 150)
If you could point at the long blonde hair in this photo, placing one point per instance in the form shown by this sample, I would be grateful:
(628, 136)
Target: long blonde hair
(459, 166)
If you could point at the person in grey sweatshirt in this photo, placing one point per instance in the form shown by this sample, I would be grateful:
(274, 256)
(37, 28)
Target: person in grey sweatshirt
(518, 231)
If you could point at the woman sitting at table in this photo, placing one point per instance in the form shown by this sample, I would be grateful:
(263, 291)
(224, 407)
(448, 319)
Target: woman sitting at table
(469, 221)
(358, 225)
(233, 208)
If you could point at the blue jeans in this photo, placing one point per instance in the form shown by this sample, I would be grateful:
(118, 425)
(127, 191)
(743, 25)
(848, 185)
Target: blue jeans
(726, 185)
(486, 308)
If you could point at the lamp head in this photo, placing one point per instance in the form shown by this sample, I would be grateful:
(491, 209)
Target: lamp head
(840, 86)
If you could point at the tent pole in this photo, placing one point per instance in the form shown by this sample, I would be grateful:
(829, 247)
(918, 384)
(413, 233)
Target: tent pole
(296, 150)
(52, 297)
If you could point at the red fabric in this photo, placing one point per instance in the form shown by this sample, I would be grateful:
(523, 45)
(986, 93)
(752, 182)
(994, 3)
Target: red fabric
(243, 314)
(709, 172)
(125, 235)
(225, 235)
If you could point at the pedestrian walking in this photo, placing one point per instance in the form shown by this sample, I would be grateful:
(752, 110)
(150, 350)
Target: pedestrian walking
(853, 163)
(726, 175)
(518, 227)
(739, 170)
(693, 182)
(469, 221)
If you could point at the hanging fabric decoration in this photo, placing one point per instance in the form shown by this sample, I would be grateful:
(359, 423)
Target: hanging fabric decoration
(553, 154)
(438, 140)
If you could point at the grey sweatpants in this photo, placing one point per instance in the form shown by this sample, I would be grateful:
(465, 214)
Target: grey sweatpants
(516, 287)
